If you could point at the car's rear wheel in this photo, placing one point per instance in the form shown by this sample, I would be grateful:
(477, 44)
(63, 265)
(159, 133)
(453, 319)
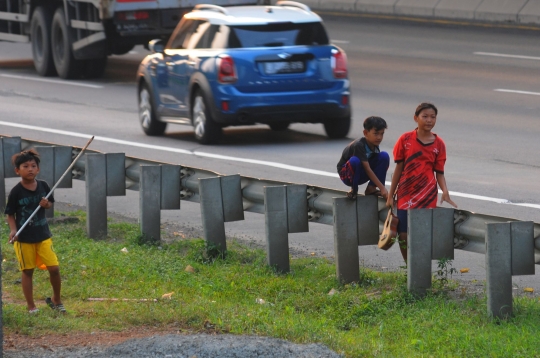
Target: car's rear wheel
(337, 128)
(206, 130)
(279, 126)
(147, 115)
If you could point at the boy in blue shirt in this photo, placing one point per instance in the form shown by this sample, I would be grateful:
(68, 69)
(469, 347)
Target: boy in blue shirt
(363, 161)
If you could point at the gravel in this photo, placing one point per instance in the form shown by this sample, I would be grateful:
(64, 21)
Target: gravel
(188, 346)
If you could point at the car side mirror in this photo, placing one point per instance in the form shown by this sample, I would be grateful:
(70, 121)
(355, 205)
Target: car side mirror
(156, 46)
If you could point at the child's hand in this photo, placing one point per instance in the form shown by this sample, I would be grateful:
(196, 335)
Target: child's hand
(384, 193)
(12, 237)
(44, 203)
(446, 197)
(389, 201)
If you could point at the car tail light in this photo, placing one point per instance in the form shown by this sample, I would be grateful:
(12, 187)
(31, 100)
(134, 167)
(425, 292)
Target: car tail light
(339, 64)
(226, 69)
(133, 15)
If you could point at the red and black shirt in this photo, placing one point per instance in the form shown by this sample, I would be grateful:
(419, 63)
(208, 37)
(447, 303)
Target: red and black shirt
(418, 185)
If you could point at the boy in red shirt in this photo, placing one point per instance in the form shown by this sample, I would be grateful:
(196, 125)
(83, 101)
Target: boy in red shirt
(362, 160)
(420, 156)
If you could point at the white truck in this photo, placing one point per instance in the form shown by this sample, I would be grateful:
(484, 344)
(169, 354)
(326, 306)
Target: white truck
(72, 38)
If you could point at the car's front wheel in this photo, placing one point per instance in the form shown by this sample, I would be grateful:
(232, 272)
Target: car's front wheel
(338, 127)
(147, 115)
(206, 130)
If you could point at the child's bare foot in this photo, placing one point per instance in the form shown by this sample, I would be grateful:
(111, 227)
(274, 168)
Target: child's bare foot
(352, 195)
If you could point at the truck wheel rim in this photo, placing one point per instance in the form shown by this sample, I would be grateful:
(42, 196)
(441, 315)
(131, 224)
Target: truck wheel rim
(199, 117)
(145, 109)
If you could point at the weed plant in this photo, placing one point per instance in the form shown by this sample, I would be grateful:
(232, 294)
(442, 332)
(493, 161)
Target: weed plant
(240, 294)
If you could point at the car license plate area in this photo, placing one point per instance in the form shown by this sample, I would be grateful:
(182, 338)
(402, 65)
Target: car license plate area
(279, 67)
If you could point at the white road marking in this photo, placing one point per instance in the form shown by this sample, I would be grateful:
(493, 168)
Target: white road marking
(236, 159)
(516, 91)
(507, 55)
(60, 82)
(339, 41)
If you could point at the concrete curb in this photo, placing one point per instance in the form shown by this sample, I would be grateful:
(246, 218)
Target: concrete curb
(517, 12)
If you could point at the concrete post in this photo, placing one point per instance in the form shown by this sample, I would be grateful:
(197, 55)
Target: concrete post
(46, 171)
(346, 240)
(443, 234)
(522, 247)
(277, 238)
(11, 146)
(2, 180)
(297, 209)
(170, 187)
(150, 201)
(116, 174)
(231, 198)
(499, 270)
(96, 195)
(8, 147)
(212, 212)
(367, 221)
(419, 251)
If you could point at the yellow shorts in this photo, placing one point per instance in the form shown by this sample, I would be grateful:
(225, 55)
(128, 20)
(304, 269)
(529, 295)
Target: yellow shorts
(38, 255)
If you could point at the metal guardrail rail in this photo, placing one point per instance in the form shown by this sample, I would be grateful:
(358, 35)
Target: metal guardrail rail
(470, 228)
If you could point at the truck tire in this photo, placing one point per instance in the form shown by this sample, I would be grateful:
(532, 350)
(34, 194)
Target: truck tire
(94, 68)
(338, 128)
(61, 43)
(147, 113)
(40, 34)
(206, 130)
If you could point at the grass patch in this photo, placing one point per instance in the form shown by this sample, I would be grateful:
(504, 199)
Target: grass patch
(240, 294)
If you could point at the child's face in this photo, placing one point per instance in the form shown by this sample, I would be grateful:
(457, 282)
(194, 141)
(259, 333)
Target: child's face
(373, 136)
(28, 170)
(426, 119)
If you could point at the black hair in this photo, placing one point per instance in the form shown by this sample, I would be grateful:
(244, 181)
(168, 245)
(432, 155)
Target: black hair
(425, 105)
(25, 156)
(374, 122)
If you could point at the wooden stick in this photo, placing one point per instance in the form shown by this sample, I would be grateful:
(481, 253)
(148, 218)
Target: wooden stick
(101, 299)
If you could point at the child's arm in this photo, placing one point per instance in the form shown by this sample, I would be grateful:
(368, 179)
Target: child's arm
(395, 181)
(445, 194)
(12, 228)
(371, 175)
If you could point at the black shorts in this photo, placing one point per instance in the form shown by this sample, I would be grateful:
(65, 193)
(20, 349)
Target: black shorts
(402, 225)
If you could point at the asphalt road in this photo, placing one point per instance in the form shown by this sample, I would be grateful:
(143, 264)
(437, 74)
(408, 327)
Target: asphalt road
(484, 81)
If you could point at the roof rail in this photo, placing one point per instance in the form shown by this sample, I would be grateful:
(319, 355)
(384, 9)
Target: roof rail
(212, 8)
(294, 4)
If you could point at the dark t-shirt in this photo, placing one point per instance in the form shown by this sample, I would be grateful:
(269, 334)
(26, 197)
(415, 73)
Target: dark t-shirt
(22, 203)
(357, 148)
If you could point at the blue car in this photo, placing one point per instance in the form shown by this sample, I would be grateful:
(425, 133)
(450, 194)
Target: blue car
(242, 65)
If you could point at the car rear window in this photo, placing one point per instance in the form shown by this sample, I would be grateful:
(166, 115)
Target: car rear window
(278, 34)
